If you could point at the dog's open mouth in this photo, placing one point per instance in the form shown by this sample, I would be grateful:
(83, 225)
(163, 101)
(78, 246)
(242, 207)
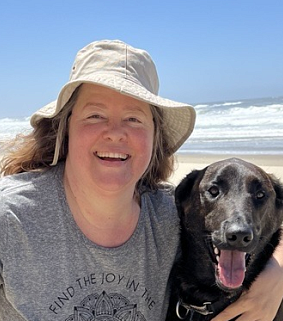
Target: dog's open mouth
(230, 267)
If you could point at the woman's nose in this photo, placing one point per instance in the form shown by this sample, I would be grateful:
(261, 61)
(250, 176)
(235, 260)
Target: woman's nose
(114, 131)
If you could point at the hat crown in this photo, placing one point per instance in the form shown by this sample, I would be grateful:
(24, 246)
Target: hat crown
(118, 59)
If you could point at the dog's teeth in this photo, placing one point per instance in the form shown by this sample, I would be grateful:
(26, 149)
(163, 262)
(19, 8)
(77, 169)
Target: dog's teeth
(217, 258)
(216, 251)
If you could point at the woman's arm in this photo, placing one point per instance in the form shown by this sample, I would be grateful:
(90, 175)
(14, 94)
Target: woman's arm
(263, 299)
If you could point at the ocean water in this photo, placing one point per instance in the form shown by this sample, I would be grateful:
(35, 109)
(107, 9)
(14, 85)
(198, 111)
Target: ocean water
(253, 126)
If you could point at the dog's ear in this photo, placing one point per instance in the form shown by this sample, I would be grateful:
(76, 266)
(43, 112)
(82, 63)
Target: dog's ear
(278, 187)
(184, 189)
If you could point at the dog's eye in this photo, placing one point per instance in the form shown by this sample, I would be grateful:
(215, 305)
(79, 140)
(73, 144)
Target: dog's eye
(214, 191)
(260, 195)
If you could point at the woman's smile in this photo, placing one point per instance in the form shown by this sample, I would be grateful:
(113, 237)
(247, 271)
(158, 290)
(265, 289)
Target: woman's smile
(112, 157)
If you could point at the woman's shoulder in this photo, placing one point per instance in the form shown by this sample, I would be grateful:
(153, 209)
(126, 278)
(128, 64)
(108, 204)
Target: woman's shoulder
(161, 200)
(164, 192)
(161, 215)
(13, 184)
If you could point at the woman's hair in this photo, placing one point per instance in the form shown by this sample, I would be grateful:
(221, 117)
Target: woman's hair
(161, 165)
(35, 151)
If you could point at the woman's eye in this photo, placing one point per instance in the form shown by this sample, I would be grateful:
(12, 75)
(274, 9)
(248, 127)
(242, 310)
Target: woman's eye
(95, 116)
(133, 119)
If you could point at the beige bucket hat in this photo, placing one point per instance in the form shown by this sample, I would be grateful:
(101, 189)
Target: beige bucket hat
(129, 71)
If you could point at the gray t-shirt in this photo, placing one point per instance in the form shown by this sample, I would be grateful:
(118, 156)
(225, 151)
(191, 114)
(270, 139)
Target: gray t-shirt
(50, 271)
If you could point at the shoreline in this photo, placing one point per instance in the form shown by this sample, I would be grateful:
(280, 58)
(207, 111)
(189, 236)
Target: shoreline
(186, 162)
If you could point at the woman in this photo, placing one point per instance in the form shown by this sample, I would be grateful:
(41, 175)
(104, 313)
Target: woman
(88, 230)
(85, 232)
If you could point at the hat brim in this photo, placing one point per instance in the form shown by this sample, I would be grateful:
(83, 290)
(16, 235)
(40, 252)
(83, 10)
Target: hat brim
(179, 118)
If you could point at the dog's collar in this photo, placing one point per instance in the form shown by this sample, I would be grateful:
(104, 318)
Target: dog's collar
(205, 309)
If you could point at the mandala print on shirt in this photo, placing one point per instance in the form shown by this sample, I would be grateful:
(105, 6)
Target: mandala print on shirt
(104, 307)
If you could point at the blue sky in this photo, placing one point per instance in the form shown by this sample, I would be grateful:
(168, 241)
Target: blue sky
(205, 50)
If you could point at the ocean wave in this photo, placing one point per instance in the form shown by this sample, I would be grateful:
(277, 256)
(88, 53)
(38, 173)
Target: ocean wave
(228, 104)
(223, 125)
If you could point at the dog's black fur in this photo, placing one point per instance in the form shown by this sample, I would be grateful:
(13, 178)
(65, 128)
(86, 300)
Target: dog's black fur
(235, 206)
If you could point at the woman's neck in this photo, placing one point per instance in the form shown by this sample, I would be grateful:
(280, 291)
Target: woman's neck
(106, 219)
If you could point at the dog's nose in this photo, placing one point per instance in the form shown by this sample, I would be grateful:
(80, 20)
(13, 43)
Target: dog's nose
(239, 236)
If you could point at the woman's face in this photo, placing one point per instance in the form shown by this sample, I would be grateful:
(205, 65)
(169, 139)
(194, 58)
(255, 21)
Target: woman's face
(110, 139)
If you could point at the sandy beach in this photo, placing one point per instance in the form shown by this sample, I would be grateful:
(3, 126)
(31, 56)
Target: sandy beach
(187, 162)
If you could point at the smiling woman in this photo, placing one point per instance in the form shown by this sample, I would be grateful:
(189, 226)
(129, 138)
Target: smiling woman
(89, 182)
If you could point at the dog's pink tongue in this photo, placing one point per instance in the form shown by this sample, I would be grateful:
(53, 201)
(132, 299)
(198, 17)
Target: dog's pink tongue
(231, 268)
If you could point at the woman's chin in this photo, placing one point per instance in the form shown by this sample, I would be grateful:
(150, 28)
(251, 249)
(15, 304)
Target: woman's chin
(114, 183)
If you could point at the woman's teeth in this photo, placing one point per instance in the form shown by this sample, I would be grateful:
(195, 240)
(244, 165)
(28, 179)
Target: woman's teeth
(112, 155)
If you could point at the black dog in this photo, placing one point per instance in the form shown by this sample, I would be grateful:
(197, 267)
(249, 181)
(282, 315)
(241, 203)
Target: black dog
(231, 213)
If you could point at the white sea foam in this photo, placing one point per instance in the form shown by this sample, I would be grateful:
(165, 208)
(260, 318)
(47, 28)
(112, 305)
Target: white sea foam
(246, 126)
